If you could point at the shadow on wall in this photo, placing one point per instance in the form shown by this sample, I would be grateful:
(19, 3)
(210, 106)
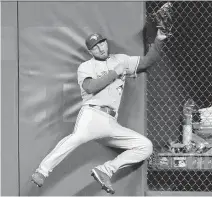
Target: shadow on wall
(114, 48)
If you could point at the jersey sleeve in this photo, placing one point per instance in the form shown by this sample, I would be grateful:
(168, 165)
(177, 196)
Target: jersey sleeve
(131, 64)
(84, 71)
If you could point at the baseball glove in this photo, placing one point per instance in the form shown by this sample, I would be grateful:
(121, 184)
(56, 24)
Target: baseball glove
(163, 18)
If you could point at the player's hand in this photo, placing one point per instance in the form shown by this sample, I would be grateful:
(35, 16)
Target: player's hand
(161, 35)
(120, 69)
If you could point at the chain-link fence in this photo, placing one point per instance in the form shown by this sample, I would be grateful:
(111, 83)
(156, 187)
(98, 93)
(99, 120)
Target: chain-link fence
(184, 74)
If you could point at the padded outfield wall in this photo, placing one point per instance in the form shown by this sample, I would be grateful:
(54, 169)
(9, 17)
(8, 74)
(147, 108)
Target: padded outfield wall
(42, 47)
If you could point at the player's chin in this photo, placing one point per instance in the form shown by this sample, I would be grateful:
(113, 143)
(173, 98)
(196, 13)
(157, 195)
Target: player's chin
(103, 56)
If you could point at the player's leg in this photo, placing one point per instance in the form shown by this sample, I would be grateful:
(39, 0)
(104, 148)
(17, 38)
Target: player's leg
(85, 130)
(137, 148)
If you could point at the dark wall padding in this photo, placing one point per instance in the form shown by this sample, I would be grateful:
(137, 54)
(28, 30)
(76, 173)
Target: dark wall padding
(51, 48)
(9, 99)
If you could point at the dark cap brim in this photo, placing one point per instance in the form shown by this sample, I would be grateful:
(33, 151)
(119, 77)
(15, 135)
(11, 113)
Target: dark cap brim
(95, 43)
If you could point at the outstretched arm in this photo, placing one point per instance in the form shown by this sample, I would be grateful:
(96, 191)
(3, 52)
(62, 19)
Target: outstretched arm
(154, 54)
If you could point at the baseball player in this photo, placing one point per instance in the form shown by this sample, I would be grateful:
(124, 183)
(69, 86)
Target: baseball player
(101, 80)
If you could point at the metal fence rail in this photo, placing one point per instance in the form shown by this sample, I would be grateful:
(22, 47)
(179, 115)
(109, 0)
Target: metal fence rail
(185, 72)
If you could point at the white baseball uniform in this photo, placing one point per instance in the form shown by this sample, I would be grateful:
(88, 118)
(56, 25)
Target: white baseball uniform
(94, 124)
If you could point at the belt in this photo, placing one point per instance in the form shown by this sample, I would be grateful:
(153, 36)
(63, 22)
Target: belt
(106, 109)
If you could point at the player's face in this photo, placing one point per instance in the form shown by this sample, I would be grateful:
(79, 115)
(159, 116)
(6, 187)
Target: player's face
(100, 50)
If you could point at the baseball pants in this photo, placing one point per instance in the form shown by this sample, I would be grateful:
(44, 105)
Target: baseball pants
(93, 124)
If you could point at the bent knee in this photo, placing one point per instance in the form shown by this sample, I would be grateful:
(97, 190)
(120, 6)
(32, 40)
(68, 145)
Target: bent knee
(150, 147)
(147, 146)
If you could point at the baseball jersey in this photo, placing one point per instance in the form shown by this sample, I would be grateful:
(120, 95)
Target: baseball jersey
(110, 95)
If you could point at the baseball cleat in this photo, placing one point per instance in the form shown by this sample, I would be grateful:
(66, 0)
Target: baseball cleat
(38, 179)
(103, 179)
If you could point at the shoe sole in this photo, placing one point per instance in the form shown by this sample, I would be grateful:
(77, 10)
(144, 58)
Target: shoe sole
(97, 178)
(38, 185)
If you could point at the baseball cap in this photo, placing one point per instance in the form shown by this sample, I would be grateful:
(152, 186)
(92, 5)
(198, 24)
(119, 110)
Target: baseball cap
(94, 39)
